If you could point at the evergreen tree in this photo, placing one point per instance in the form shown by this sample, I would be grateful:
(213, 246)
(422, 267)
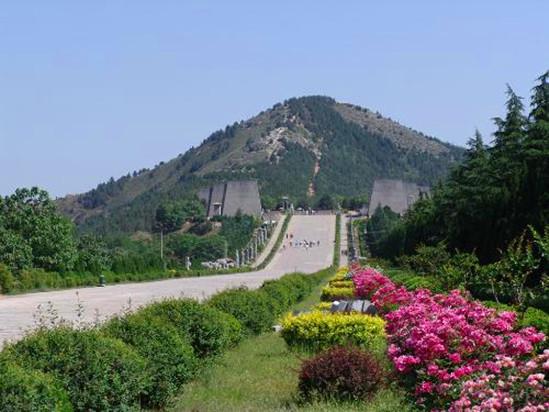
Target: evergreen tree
(495, 193)
(536, 154)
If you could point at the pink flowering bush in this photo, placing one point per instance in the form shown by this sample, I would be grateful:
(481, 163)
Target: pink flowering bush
(439, 341)
(367, 281)
(508, 385)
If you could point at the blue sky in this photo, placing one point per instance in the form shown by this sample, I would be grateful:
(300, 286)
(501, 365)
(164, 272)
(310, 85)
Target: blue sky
(90, 90)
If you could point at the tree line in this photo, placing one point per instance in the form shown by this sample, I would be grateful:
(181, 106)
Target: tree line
(37, 242)
(491, 198)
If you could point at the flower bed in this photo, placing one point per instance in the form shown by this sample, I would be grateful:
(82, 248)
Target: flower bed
(439, 342)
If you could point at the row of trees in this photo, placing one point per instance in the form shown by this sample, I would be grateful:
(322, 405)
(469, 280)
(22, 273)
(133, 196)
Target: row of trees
(34, 235)
(488, 200)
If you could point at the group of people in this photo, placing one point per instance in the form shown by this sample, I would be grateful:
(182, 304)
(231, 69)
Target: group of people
(306, 244)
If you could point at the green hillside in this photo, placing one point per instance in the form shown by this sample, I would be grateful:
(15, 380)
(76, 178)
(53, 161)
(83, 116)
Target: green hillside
(303, 148)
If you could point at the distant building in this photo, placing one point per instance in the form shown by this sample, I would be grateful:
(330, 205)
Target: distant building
(226, 199)
(396, 194)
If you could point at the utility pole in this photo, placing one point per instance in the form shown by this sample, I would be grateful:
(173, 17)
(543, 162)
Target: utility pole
(162, 244)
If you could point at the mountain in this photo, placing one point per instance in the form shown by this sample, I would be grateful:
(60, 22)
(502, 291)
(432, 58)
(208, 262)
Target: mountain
(302, 148)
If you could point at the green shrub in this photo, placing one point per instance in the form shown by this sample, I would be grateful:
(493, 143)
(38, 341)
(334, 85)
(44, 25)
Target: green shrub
(7, 281)
(412, 281)
(427, 259)
(210, 331)
(255, 310)
(341, 283)
(319, 330)
(301, 285)
(536, 318)
(288, 290)
(281, 294)
(498, 306)
(331, 293)
(98, 373)
(422, 282)
(171, 360)
(30, 390)
(323, 306)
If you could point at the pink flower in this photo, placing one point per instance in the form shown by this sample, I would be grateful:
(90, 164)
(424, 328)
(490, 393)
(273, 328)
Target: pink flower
(425, 387)
(449, 344)
(455, 357)
(405, 362)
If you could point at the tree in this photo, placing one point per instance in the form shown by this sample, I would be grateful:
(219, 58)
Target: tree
(496, 192)
(326, 202)
(475, 147)
(32, 223)
(93, 255)
(14, 251)
(511, 130)
(535, 186)
(171, 215)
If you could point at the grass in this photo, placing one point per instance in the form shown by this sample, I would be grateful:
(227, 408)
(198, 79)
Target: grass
(261, 374)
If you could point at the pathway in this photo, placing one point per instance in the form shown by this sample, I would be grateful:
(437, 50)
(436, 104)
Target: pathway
(16, 312)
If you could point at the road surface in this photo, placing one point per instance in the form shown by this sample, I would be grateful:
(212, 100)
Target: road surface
(16, 312)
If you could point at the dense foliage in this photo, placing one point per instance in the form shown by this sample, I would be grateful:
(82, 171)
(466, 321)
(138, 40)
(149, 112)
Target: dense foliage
(170, 357)
(238, 230)
(336, 292)
(171, 215)
(134, 361)
(354, 156)
(33, 234)
(210, 331)
(303, 148)
(99, 373)
(494, 195)
(254, 309)
(454, 352)
(30, 390)
(318, 330)
(39, 248)
(345, 373)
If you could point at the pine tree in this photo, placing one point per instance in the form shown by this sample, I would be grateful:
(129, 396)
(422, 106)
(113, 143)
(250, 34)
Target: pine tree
(475, 147)
(511, 130)
(536, 182)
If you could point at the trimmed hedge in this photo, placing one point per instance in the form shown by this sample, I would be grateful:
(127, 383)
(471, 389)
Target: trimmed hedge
(257, 310)
(340, 373)
(98, 373)
(210, 331)
(335, 283)
(254, 309)
(317, 330)
(64, 369)
(288, 290)
(330, 294)
(171, 360)
(30, 390)
(323, 306)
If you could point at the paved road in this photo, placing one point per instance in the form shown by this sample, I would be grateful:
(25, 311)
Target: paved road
(16, 312)
(343, 258)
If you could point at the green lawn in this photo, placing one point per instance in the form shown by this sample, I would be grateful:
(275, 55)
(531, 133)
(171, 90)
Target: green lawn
(261, 375)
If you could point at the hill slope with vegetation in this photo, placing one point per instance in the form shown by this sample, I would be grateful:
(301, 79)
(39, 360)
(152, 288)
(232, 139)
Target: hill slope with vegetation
(304, 148)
